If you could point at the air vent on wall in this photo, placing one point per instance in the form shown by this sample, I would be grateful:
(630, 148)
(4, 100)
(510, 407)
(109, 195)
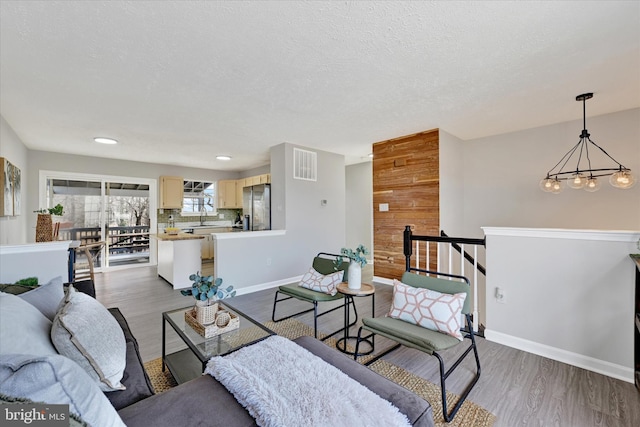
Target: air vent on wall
(305, 165)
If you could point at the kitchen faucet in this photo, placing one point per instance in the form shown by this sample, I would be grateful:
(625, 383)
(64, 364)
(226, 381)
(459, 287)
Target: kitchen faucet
(203, 219)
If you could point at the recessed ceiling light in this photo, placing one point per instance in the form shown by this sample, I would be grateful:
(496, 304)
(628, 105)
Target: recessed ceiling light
(223, 157)
(105, 140)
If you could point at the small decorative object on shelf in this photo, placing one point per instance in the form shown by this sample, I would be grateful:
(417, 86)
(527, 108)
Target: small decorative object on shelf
(207, 290)
(44, 225)
(358, 260)
(225, 322)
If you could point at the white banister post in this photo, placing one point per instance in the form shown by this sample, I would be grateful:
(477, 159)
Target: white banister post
(475, 289)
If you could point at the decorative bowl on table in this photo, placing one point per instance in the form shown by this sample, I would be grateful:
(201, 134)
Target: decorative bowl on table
(172, 230)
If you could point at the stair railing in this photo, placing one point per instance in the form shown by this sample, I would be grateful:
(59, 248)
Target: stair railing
(456, 244)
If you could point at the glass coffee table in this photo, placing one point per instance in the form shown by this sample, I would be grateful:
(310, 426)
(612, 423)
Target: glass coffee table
(190, 362)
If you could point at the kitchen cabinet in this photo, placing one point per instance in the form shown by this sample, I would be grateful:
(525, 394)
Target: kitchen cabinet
(178, 258)
(239, 188)
(171, 192)
(227, 195)
(248, 182)
(207, 247)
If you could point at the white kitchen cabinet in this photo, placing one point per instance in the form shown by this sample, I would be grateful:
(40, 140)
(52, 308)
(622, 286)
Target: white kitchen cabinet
(177, 260)
(171, 192)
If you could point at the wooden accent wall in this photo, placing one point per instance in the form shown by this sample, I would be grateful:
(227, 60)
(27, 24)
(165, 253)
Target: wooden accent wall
(406, 176)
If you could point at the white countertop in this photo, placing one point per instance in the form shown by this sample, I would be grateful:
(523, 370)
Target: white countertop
(248, 234)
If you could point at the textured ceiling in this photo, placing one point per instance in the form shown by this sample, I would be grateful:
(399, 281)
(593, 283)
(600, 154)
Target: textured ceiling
(179, 82)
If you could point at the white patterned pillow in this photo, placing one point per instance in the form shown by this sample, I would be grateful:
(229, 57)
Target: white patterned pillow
(85, 332)
(320, 282)
(429, 309)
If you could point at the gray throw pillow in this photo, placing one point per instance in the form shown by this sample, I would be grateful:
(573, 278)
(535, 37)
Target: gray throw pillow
(46, 298)
(55, 379)
(85, 331)
(23, 328)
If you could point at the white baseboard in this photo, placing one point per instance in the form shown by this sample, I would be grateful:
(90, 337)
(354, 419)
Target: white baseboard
(579, 360)
(269, 285)
(383, 280)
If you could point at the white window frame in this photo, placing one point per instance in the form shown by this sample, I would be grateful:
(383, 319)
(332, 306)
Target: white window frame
(214, 211)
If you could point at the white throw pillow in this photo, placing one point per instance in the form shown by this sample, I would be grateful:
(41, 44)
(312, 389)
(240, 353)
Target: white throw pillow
(85, 331)
(429, 309)
(46, 298)
(54, 379)
(23, 328)
(325, 283)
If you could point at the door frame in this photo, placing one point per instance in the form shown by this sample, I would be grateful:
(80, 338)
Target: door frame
(153, 203)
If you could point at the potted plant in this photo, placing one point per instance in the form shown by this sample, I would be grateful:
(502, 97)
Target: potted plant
(357, 261)
(57, 210)
(44, 223)
(206, 290)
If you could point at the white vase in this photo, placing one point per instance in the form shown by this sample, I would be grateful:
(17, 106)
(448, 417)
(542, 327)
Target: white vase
(206, 311)
(354, 275)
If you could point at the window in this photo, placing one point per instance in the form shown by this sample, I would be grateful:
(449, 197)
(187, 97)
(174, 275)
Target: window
(199, 197)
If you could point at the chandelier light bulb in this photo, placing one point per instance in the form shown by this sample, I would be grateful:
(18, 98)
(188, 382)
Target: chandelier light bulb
(622, 179)
(592, 185)
(577, 181)
(556, 186)
(546, 184)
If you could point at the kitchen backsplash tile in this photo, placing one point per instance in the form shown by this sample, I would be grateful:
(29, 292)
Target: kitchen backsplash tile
(229, 215)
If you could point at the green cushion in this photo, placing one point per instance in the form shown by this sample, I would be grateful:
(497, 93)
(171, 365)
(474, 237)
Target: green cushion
(408, 334)
(326, 265)
(444, 286)
(307, 294)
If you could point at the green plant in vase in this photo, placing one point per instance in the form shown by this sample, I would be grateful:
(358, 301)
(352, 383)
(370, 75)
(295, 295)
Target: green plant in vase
(207, 291)
(57, 210)
(357, 261)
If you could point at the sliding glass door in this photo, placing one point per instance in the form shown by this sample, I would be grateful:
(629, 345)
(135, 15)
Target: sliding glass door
(115, 210)
(127, 223)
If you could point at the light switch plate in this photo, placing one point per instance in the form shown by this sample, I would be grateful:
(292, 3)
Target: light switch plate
(383, 207)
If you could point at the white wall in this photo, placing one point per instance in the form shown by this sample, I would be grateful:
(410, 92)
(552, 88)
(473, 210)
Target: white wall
(13, 229)
(45, 260)
(451, 185)
(569, 295)
(502, 174)
(359, 206)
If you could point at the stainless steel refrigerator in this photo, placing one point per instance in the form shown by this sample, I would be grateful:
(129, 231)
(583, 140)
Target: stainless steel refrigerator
(256, 204)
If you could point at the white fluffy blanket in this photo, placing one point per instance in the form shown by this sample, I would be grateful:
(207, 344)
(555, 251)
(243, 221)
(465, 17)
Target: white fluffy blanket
(282, 384)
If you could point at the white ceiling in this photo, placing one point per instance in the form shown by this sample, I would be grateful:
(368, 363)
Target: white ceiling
(179, 82)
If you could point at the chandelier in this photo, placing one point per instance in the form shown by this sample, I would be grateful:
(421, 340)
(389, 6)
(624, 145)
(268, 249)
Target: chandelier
(583, 176)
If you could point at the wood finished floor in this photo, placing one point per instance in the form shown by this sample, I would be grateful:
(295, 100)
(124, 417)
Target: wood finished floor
(521, 389)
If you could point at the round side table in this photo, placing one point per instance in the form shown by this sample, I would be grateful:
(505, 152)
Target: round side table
(365, 290)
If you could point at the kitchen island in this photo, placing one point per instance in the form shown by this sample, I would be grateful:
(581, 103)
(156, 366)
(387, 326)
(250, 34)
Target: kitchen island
(178, 257)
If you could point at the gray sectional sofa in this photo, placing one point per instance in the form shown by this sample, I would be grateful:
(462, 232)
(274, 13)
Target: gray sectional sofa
(200, 402)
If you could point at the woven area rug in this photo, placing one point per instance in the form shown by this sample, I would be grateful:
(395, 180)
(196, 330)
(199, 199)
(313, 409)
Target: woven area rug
(469, 415)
